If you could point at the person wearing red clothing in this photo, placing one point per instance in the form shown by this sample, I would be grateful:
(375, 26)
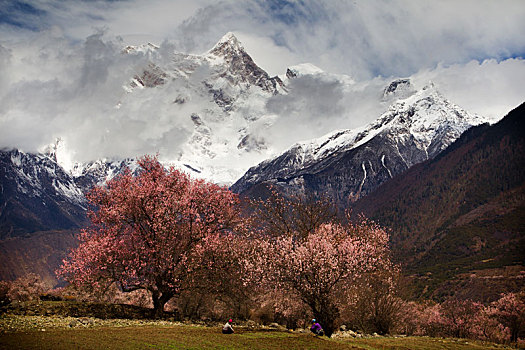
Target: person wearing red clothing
(227, 328)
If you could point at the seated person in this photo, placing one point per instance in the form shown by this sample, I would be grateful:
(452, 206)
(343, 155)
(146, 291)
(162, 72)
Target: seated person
(316, 328)
(227, 328)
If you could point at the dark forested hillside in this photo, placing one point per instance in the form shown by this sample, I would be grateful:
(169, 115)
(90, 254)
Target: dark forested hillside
(40, 252)
(463, 211)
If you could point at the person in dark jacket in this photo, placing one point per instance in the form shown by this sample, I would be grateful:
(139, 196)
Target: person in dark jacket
(316, 328)
(227, 328)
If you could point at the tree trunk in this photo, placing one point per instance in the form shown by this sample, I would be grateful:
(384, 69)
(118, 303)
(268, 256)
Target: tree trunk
(514, 331)
(158, 308)
(326, 314)
(159, 300)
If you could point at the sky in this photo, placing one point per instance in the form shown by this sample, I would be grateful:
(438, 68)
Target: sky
(61, 69)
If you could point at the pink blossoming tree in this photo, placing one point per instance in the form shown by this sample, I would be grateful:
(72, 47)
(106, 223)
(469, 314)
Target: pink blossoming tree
(458, 317)
(151, 232)
(318, 268)
(509, 310)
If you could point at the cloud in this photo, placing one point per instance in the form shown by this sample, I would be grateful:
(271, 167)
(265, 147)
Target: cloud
(309, 95)
(5, 59)
(490, 88)
(368, 38)
(20, 14)
(62, 75)
(57, 89)
(360, 38)
(135, 20)
(318, 104)
(312, 107)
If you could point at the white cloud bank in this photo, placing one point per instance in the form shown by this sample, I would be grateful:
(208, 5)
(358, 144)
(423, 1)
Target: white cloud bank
(61, 80)
(368, 38)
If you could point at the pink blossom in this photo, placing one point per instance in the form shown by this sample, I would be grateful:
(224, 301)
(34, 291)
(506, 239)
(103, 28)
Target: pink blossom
(150, 231)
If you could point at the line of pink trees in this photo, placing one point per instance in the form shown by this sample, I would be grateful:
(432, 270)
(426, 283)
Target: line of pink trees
(500, 321)
(189, 242)
(165, 233)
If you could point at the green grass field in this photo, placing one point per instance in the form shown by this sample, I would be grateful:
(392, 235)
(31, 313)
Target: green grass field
(177, 336)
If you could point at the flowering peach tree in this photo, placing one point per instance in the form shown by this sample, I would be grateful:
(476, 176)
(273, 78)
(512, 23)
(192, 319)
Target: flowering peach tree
(150, 231)
(319, 268)
(509, 310)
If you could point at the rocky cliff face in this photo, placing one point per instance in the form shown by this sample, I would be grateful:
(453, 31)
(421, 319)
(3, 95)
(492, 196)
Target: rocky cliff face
(238, 68)
(348, 164)
(37, 195)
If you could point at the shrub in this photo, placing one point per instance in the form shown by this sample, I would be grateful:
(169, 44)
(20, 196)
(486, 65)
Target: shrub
(4, 293)
(375, 308)
(27, 288)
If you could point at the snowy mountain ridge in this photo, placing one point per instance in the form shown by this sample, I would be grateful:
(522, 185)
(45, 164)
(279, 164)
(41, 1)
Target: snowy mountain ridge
(218, 101)
(27, 170)
(37, 194)
(412, 130)
(431, 110)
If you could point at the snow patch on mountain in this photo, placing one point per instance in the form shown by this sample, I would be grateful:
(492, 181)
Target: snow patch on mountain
(59, 152)
(303, 69)
(308, 69)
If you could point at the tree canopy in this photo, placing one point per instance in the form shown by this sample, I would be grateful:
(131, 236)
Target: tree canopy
(150, 230)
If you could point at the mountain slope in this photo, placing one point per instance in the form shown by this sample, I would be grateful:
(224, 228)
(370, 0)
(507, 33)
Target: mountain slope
(462, 211)
(349, 164)
(37, 195)
(41, 253)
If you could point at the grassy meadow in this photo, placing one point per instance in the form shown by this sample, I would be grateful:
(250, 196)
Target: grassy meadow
(41, 332)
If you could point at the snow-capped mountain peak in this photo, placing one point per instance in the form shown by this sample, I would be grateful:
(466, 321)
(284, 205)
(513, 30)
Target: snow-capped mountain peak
(421, 115)
(59, 153)
(399, 88)
(216, 96)
(235, 67)
(426, 116)
(303, 69)
(412, 130)
(228, 45)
